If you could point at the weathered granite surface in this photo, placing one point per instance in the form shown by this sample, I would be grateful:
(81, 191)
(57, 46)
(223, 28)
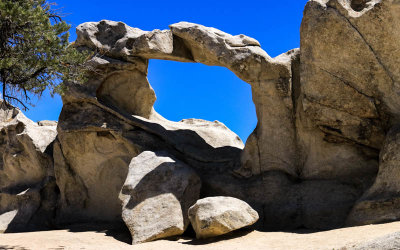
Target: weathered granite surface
(27, 180)
(323, 111)
(323, 155)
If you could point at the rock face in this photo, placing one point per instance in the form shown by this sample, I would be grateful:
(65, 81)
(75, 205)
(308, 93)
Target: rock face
(91, 161)
(26, 172)
(100, 131)
(116, 106)
(214, 216)
(270, 78)
(323, 114)
(156, 196)
(324, 152)
(349, 85)
(381, 202)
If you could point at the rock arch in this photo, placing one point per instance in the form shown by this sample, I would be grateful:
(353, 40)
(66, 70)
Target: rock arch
(118, 100)
(186, 42)
(322, 121)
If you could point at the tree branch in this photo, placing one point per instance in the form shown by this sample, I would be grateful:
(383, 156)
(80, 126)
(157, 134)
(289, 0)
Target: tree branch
(13, 98)
(35, 74)
(56, 18)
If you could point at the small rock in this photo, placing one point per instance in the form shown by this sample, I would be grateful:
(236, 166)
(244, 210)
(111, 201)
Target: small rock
(47, 123)
(215, 216)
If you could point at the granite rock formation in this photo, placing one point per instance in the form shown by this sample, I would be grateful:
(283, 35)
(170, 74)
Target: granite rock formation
(27, 181)
(350, 80)
(323, 114)
(324, 153)
(112, 101)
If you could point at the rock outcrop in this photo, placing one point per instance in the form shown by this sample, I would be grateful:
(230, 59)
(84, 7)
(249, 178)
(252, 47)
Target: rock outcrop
(323, 113)
(118, 100)
(96, 143)
(26, 172)
(95, 119)
(214, 216)
(349, 85)
(324, 153)
(156, 196)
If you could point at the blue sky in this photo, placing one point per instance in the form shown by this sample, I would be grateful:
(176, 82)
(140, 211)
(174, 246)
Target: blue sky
(190, 90)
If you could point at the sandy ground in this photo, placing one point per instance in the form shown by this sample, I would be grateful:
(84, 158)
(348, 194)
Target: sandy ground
(80, 238)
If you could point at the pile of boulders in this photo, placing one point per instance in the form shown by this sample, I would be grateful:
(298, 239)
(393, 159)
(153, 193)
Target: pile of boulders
(160, 196)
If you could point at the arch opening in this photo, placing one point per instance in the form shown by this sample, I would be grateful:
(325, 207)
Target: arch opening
(195, 90)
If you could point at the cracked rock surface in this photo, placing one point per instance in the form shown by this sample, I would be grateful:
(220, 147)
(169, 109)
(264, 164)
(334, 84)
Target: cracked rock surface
(350, 82)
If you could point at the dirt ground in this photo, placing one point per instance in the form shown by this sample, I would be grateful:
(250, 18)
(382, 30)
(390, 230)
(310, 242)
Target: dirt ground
(83, 237)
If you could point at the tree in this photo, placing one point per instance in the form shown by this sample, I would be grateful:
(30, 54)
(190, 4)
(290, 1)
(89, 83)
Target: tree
(35, 53)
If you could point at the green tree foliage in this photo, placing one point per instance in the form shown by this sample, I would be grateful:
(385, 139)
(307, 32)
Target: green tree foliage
(35, 53)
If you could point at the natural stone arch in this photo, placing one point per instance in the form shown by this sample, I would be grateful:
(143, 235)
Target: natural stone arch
(209, 147)
(325, 125)
(321, 121)
(270, 79)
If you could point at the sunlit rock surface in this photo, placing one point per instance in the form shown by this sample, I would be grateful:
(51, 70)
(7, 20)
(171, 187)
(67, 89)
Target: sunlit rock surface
(323, 155)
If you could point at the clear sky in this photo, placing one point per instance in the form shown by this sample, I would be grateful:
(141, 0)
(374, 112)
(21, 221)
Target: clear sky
(191, 90)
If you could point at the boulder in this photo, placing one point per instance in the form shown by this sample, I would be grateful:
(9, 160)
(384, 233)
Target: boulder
(214, 216)
(156, 195)
(26, 172)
